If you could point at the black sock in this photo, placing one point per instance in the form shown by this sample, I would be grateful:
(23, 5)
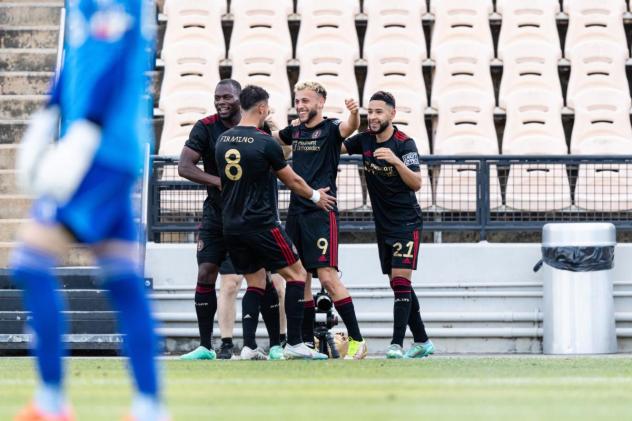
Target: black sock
(270, 314)
(227, 341)
(414, 321)
(205, 307)
(282, 338)
(401, 309)
(309, 315)
(250, 306)
(346, 311)
(294, 292)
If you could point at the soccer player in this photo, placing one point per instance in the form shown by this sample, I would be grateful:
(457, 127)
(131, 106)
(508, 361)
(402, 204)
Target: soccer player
(248, 159)
(315, 155)
(391, 167)
(211, 250)
(83, 185)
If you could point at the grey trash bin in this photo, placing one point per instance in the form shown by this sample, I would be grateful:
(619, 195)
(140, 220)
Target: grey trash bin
(578, 300)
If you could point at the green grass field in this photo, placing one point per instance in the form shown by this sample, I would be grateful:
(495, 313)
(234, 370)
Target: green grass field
(473, 388)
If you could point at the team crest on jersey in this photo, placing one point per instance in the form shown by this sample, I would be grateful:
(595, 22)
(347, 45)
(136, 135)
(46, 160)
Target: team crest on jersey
(316, 134)
(411, 159)
(296, 134)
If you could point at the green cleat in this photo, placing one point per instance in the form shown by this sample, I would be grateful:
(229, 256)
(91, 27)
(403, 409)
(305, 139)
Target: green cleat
(199, 353)
(420, 350)
(276, 353)
(394, 352)
(357, 350)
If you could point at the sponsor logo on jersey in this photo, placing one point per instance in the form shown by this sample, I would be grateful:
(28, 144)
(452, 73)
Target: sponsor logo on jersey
(411, 158)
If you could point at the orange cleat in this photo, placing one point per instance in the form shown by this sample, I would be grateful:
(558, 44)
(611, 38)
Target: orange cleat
(31, 413)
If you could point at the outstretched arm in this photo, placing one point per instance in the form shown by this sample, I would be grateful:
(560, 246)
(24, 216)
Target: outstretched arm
(296, 183)
(353, 122)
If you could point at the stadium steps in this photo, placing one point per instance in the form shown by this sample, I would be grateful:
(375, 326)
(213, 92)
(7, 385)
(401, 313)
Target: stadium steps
(21, 13)
(9, 229)
(14, 205)
(7, 181)
(91, 321)
(77, 255)
(25, 83)
(11, 130)
(29, 36)
(28, 59)
(7, 156)
(20, 106)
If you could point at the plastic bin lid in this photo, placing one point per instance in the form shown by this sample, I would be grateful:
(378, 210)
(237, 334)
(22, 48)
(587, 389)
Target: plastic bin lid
(579, 234)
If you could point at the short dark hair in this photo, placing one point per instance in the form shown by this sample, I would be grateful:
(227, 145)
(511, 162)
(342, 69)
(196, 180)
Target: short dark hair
(232, 82)
(387, 97)
(251, 95)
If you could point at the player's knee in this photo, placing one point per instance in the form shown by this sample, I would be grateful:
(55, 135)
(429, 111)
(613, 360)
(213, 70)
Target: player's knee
(207, 273)
(230, 285)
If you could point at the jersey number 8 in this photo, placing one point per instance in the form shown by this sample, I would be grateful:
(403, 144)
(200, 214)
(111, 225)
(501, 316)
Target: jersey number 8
(233, 163)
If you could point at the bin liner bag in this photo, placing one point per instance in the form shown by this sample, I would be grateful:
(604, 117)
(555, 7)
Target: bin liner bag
(577, 259)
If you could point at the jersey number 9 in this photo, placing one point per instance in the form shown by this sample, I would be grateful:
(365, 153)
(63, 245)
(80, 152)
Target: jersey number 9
(233, 169)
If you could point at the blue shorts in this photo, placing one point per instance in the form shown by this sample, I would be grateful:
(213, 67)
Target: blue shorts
(100, 209)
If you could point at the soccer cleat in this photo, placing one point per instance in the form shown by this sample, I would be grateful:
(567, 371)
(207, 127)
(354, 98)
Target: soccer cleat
(302, 352)
(394, 352)
(199, 353)
(248, 353)
(276, 353)
(226, 351)
(31, 413)
(420, 350)
(357, 350)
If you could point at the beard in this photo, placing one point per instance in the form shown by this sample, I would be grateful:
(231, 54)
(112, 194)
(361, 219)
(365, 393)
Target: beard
(383, 126)
(311, 114)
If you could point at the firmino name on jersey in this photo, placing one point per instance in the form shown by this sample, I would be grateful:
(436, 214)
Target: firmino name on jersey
(236, 139)
(305, 146)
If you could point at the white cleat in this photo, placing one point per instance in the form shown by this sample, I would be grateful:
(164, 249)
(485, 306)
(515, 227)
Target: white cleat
(252, 354)
(302, 352)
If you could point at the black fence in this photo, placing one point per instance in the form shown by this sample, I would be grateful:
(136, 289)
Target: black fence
(480, 194)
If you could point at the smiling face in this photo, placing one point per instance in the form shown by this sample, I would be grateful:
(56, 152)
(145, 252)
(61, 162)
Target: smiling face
(226, 101)
(309, 105)
(380, 115)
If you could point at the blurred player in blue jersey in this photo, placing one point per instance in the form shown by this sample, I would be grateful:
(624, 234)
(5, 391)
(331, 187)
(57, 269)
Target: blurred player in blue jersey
(83, 185)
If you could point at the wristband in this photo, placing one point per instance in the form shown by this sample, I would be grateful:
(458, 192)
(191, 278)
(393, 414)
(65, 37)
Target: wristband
(315, 196)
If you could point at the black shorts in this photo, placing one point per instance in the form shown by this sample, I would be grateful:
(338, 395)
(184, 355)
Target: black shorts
(211, 247)
(398, 251)
(271, 249)
(315, 235)
(227, 268)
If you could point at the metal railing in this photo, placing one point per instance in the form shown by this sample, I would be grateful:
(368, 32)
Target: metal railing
(480, 194)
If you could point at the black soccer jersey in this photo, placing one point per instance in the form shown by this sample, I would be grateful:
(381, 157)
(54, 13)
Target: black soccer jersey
(395, 206)
(246, 158)
(315, 157)
(202, 139)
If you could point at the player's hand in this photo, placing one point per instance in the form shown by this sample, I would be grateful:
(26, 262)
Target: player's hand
(271, 124)
(38, 138)
(386, 154)
(352, 105)
(295, 123)
(326, 201)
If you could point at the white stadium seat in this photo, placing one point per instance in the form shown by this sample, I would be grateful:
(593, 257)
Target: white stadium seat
(394, 23)
(461, 66)
(195, 20)
(530, 65)
(458, 20)
(534, 124)
(261, 21)
(538, 187)
(594, 20)
(528, 20)
(182, 111)
(594, 65)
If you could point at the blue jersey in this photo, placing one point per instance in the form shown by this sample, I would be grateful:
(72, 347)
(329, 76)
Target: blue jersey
(107, 52)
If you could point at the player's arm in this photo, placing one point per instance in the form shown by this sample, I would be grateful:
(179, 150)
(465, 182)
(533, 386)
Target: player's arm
(352, 146)
(296, 183)
(353, 121)
(408, 174)
(187, 168)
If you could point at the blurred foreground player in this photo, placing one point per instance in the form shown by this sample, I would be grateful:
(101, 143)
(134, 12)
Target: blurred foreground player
(249, 160)
(83, 185)
(391, 167)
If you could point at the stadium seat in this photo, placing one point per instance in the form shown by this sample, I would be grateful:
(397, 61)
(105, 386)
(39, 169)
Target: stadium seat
(261, 21)
(182, 111)
(594, 20)
(597, 64)
(189, 66)
(265, 65)
(461, 66)
(409, 118)
(458, 20)
(538, 187)
(392, 23)
(327, 21)
(528, 21)
(393, 67)
(349, 188)
(604, 187)
(195, 20)
(424, 195)
(530, 65)
(332, 65)
(602, 121)
(534, 124)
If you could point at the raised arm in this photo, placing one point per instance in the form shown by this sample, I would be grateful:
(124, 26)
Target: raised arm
(353, 122)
